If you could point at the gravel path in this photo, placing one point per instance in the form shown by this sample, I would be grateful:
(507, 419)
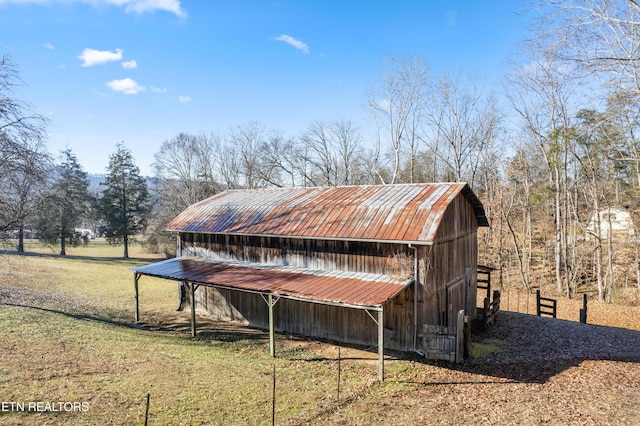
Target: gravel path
(523, 338)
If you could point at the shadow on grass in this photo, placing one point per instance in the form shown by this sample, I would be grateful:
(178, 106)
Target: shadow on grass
(99, 259)
(175, 327)
(76, 315)
(179, 323)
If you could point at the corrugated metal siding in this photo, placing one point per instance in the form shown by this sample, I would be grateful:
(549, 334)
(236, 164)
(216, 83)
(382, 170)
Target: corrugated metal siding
(358, 289)
(409, 213)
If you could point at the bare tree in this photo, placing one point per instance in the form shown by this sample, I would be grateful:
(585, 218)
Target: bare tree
(244, 146)
(22, 183)
(396, 104)
(541, 94)
(600, 37)
(22, 154)
(463, 123)
(185, 170)
(280, 165)
(332, 151)
(17, 122)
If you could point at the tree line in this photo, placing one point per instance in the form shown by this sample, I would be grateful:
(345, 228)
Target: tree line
(558, 152)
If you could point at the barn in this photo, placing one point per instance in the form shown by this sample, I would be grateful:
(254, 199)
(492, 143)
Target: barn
(366, 265)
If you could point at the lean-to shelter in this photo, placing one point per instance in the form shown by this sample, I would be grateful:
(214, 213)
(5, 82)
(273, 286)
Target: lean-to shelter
(337, 260)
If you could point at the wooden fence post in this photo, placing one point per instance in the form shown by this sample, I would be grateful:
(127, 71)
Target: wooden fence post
(146, 414)
(538, 302)
(583, 311)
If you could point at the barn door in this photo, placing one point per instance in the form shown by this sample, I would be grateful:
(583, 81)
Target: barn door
(455, 300)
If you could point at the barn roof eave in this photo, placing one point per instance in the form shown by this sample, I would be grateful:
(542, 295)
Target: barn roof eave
(359, 240)
(372, 290)
(477, 206)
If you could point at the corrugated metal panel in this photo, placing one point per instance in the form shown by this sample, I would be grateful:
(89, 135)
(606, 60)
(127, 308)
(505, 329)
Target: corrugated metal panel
(408, 213)
(357, 289)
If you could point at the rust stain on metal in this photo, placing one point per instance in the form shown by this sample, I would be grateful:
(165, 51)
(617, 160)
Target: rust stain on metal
(352, 289)
(407, 212)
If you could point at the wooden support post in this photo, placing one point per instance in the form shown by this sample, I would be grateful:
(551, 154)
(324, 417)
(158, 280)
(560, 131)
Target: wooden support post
(136, 277)
(192, 290)
(272, 334)
(538, 302)
(381, 345)
(468, 310)
(460, 338)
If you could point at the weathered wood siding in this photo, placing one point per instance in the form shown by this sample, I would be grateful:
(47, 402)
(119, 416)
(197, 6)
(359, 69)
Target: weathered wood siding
(395, 260)
(336, 323)
(443, 266)
(349, 325)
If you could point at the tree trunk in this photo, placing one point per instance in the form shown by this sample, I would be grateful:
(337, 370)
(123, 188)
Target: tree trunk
(558, 232)
(20, 247)
(63, 245)
(126, 246)
(610, 273)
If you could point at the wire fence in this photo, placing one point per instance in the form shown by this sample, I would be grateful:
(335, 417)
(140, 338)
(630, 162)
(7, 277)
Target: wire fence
(520, 301)
(524, 302)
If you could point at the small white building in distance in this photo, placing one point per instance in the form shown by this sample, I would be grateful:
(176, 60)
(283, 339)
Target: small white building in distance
(615, 222)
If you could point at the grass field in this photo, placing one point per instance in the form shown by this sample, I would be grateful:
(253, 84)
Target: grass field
(69, 337)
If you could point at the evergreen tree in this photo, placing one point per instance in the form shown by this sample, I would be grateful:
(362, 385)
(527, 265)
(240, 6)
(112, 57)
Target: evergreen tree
(65, 205)
(124, 201)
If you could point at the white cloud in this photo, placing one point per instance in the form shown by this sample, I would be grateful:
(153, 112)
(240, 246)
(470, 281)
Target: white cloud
(142, 6)
(158, 90)
(129, 65)
(184, 99)
(130, 6)
(293, 42)
(93, 57)
(126, 86)
(48, 45)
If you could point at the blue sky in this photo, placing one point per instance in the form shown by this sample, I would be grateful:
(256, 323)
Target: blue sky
(142, 71)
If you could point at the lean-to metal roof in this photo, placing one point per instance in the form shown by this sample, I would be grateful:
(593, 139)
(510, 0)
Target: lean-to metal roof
(406, 212)
(334, 287)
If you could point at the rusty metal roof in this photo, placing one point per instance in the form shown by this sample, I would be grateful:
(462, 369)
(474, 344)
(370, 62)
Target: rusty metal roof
(393, 213)
(337, 287)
